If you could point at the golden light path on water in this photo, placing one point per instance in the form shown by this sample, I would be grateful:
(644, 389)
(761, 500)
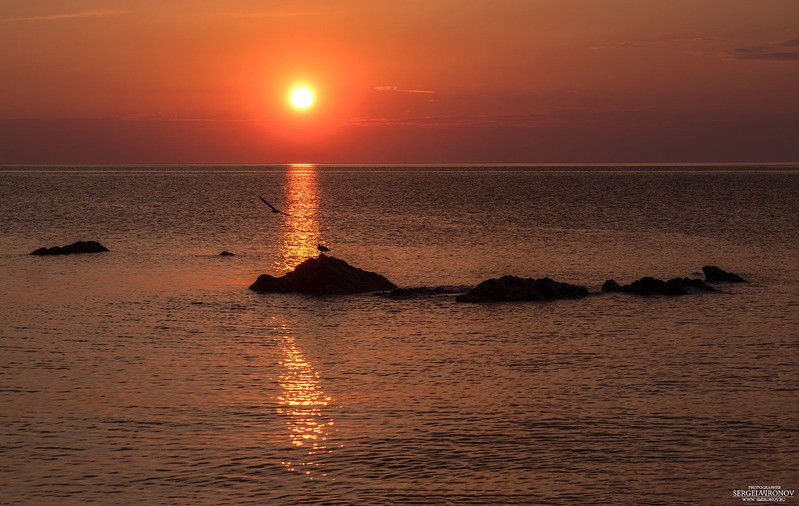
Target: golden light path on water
(301, 228)
(302, 401)
(304, 404)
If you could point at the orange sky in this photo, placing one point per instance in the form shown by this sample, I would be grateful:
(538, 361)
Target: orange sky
(193, 81)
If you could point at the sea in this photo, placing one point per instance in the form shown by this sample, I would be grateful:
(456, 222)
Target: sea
(151, 374)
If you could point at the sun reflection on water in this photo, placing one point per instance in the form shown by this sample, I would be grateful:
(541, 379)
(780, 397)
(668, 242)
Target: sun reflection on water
(304, 404)
(302, 401)
(301, 234)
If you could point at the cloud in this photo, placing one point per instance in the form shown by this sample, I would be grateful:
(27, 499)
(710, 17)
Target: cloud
(551, 117)
(773, 52)
(397, 89)
(662, 42)
(423, 121)
(96, 13)
(767, 55)
(275, 14)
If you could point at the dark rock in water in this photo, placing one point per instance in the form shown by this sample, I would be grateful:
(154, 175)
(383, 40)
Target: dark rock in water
(422, 291)
(321, 275)
(653, 286)
(649, 285)
(511, 288)
(716, 274)
(226, 253)
(611, 286)
(55, 250)
(70, 249)
(691, 285)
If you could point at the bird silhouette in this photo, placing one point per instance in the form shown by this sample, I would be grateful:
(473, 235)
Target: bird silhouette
(273, 208)
(322, 248)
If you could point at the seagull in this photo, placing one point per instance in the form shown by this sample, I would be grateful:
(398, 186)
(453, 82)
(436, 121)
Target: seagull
(322, 248)
(274, 209)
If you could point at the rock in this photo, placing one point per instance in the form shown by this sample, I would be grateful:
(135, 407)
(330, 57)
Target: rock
(74, 248)
(55, 250)
(226, 253)
(611, 286)
(691, 285)
(716, 274)
(653, 286)
(322, 275)
(512, 288)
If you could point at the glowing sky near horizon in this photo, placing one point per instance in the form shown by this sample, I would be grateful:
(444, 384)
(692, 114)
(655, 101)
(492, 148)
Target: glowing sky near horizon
(416, 81)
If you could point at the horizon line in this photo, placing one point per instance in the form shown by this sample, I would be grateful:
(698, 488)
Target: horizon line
(410, 164)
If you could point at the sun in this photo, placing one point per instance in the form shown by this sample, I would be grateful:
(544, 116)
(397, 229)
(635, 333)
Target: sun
(301, 98)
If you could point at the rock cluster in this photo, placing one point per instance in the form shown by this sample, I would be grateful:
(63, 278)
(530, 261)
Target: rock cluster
(71, 249)
(653, 286)
(512, 288)
(326, 275)
(675, 286)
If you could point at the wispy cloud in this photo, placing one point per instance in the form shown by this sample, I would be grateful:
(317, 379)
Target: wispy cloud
(397, 89)
(783, 51)
(704, 46)
(95, 13)
(664, 42)
(273, 14)
(552, 117)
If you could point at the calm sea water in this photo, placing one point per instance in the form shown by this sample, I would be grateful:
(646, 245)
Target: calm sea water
(152, 375)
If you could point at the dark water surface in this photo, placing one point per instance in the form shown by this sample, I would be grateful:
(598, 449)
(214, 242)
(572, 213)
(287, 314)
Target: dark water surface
(152, 375)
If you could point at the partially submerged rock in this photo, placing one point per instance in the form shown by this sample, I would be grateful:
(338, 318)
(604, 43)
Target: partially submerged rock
(322, 275)
(611, 286)
(226, 253)
(717, 274)
(692, 285)
(70, 249)
(653, 286)
(512, 288)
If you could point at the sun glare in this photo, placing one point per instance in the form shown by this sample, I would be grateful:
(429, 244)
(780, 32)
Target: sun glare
(301, 98)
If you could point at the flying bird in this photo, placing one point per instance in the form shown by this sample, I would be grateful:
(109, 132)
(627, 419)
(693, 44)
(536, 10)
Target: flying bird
(273, 208)
(322, 248)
